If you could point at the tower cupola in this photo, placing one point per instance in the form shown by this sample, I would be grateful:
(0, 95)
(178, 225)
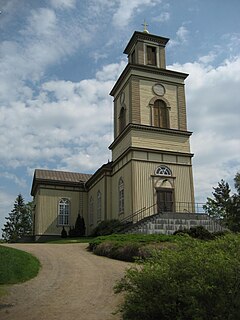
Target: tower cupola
(147, 49)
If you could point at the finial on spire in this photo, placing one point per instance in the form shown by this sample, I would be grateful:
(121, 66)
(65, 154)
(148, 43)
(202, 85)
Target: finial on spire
(145, 25)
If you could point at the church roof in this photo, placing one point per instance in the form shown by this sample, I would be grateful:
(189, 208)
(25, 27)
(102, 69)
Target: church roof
(58, 177)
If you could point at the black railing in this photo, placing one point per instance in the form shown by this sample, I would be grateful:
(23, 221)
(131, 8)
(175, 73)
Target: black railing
(164, 207)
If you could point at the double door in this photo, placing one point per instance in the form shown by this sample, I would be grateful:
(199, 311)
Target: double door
(165, 201)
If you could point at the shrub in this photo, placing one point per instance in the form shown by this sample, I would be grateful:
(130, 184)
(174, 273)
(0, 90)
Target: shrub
(63, 233)
(108, 227)
(198, 232)
(79, 229)
(198, 282)
(114, 250)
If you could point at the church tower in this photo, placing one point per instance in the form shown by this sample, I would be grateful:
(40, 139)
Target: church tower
(152, 169)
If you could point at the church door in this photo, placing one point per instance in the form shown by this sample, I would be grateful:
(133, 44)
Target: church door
(165, 200)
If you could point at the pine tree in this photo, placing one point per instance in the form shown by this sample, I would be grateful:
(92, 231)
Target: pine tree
(19, 221)
(79, 226)
(218, 207)
(225, 206)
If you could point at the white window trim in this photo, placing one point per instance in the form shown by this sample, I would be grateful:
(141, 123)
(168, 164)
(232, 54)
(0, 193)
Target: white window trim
(64, 218)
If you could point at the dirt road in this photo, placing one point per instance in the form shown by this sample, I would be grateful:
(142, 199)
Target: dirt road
(73, 284)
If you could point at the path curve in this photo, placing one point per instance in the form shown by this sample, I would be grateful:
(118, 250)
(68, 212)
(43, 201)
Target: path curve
(72, 284)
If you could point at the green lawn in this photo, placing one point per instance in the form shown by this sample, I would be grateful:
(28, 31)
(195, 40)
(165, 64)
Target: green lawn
(17, 266)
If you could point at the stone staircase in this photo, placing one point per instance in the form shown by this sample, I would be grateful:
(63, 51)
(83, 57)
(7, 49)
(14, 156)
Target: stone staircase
(168, 223)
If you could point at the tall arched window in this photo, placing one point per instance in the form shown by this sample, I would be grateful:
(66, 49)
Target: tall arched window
(122, 119)
(121, 195)
(63, 212)
(99, 206)
(160, 114)
(91, 211)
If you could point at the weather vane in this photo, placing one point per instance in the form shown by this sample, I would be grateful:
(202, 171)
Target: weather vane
(145, 25)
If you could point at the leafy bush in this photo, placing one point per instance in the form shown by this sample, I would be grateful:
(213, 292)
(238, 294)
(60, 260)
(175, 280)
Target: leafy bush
(63, 233)
(127, 247)
(197, 282)
(198, 232)
(108, 227)
(79, 229)
(126, 252)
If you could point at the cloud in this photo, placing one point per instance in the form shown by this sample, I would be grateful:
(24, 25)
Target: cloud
(163, 17)
(42, 41)
(213, 115)
(64, 123)
(181, 37)
(63, 4)
(126, 9)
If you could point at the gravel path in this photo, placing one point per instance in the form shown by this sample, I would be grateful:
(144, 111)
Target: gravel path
(72, 284)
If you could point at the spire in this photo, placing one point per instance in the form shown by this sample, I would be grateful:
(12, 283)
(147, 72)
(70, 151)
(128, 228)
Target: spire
(145, 25)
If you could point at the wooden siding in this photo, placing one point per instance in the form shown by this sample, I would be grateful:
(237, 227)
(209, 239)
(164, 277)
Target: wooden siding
(146, 95)
(135, 101)
(182, 108)
(144, 193)
(126, 174)
(47, 209)
(160, 141)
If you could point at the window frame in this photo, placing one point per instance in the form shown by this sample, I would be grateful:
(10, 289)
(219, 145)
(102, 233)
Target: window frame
(151, 55)
(64, 210)
(160, 114)
(163, 170)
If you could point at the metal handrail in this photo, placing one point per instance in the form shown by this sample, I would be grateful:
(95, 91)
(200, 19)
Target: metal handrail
(176, 207)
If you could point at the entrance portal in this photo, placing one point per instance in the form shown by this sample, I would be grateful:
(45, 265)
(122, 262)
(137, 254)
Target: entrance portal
(165, 200)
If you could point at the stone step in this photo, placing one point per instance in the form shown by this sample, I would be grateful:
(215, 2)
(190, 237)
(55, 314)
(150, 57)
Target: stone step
(168, 223)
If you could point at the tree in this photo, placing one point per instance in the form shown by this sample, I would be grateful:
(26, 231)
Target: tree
(218, 206)
(19, 222)
(225, 206)
(79, 229)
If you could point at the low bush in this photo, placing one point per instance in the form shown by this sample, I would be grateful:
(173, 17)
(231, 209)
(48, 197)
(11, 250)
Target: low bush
(198, 232)
(108, 227)
(196, 282)
(127, 247)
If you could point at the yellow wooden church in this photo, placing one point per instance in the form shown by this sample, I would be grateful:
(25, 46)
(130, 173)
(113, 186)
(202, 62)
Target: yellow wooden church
(151, 168)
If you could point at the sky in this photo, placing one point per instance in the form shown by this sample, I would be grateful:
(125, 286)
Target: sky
(59, 60)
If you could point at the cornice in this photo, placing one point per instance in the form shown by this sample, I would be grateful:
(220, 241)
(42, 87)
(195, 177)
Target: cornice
(137, 35)
(141, 127)
(154, 70)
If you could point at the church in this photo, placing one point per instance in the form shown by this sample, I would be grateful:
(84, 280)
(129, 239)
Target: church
(151, 167)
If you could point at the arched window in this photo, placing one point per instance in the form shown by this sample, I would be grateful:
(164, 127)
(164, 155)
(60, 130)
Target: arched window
(163, 171)
(121, 195)
(160, 114)
(91, 211)
(99, 206)
(63, 212)
(122, 119)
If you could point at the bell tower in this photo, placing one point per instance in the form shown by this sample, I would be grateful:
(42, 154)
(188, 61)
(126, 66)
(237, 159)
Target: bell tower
(150, 127)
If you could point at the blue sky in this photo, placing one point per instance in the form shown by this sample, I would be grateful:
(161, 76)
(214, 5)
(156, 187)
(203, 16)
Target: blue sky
(60, 58)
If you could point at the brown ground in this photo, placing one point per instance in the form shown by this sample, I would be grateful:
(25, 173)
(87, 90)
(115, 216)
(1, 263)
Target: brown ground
(72, 284)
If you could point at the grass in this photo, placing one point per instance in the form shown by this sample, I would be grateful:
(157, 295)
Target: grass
(16, 266)
(128, 247)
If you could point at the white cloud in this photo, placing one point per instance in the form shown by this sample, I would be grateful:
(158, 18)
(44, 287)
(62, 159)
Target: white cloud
(126, 9)
(181, 37)
(63, 4)
(213, 115)
(163, 17)
(42, 42)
